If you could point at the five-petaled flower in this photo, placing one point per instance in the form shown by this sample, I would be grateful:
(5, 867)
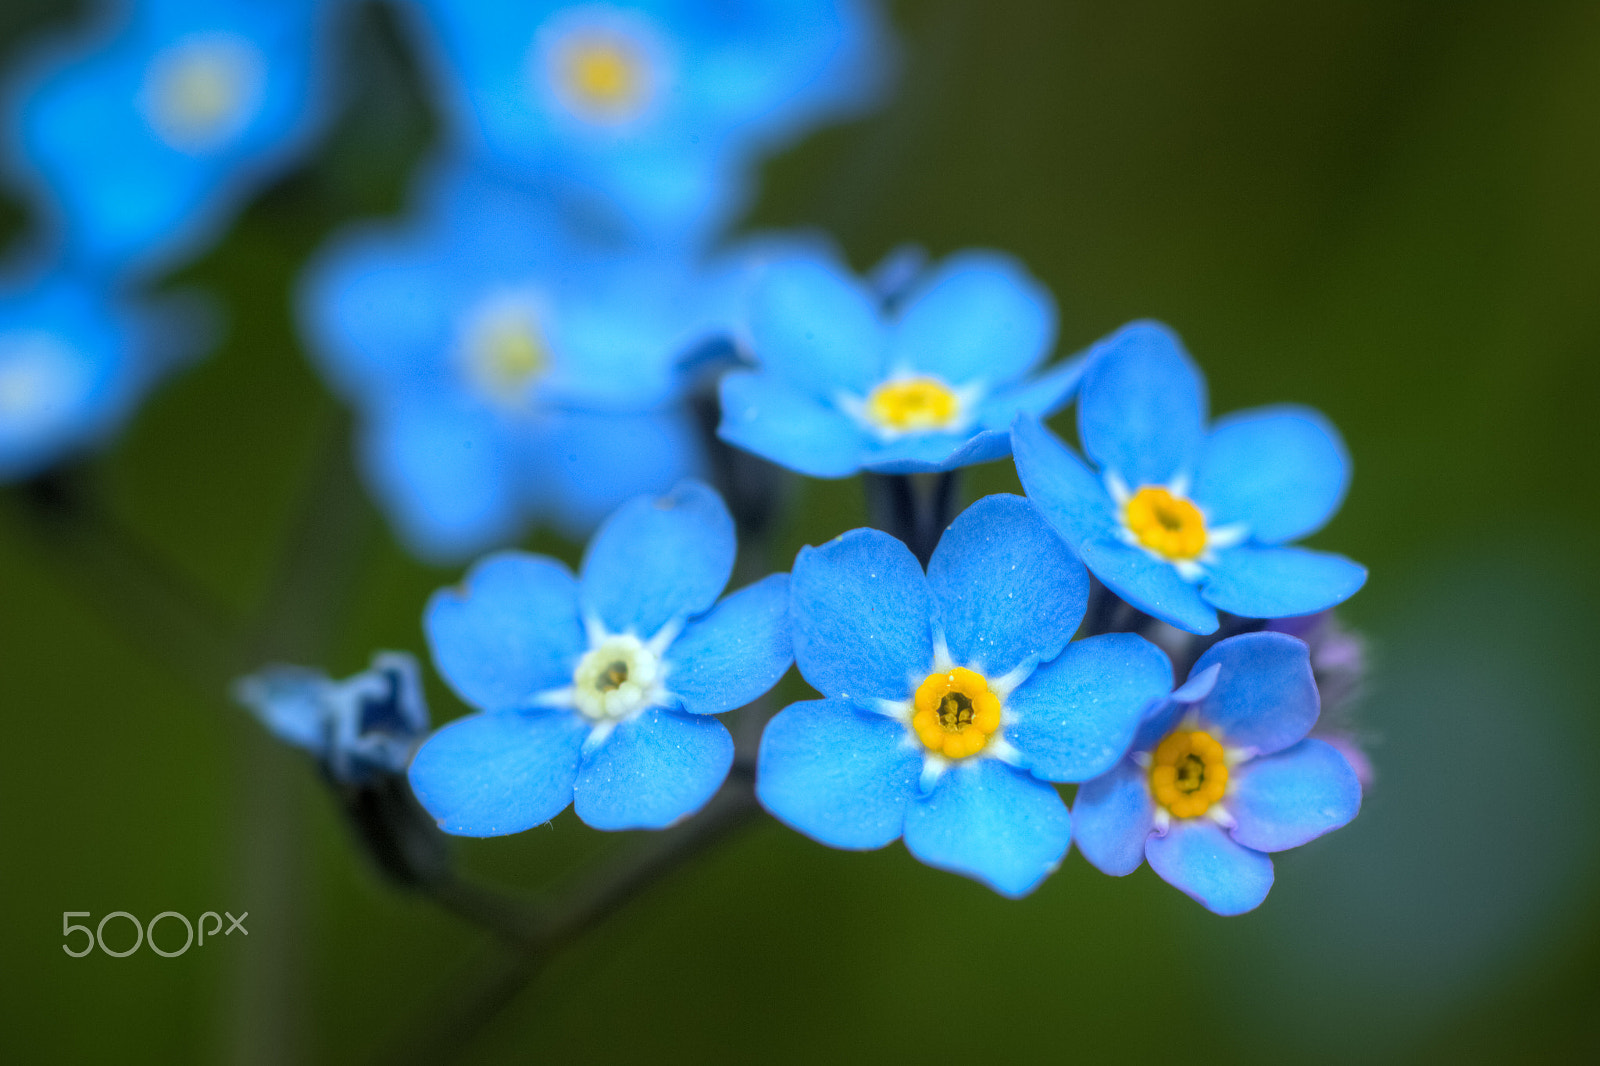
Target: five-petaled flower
(1221, 774)
(600, 691)
(1181, 521)
(952, 699)
(844, 384)
(358, 728)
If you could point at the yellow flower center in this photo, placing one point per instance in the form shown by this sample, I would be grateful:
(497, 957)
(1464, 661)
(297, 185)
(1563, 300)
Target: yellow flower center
(913, 404)
(602, 76)
(1188, 773)
(506, 354)
(955, 713)
(1168, 525)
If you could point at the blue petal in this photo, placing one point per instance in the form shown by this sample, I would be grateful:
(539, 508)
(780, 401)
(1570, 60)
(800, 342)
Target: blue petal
(1197, 857)
(509, 632)
(1280, 582)
(979, 317)
(993, 823)
(1112, 817)
(658, 560)
(1043, 396)
(490, 774)
(1150, 584)
(764, 414)
(291, 701)
(817, 327)
(1075, 717)
(1265, 697)
(1281, 471)
(653, 770)
(1006, 589)
(736, 652)
(445, 475)
(1285, 800)
(597, 460)
(860, 608)
(1142, 410)
(935, 452)
(840, 775)
(1069, 496)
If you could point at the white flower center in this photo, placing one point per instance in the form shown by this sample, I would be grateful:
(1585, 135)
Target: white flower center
(203, 91)
(39, 381)
(616, 678)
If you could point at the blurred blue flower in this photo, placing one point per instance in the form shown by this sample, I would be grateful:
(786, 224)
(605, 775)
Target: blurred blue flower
(1221, 774)
(1182, 521)
(74, 359)
(844, 384)
(600, 691)
(506, 367)
(952, 698)
(357, 728)
(650, 112)
(141, 137)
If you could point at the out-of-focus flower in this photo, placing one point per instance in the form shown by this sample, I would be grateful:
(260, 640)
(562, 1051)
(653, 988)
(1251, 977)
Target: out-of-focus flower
(1220, 775)
(506, 367)
(1339, 664)
(74, 359)
(845, 385)
(1183, 521)
(600, 691)
(141, 137)
(358, 728)
(649, 111)
(952, 698)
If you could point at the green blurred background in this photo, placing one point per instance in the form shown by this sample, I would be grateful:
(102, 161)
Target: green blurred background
(1389, 210)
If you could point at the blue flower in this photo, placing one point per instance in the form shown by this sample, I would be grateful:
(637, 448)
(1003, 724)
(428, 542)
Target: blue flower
(845, 385)
(1220, 775)
(600, 691)
(506, 367)
(952, 698)
(358, 728)
(651, 111)
(74, 359)
(1181, 521)
(143, 136)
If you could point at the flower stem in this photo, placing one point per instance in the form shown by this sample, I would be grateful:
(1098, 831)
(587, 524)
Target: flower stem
(916, 508)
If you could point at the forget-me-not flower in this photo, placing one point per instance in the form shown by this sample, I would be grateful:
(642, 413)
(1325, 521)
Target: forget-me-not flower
(1182, 521)
(74, 359)
(142, 137)
(952, 699)
(1220, 775)
(358, 728)
(506, 367)
(649, 111)
(844, 384)
(600, 691)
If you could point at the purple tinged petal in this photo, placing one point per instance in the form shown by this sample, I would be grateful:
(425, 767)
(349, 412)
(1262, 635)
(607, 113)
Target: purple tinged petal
(1282, 471)
(1280, 582)
(1265, 697)
(1142, 408)
(509, 632)
(1112, 817)
(1198, 857)
(841, 775)
(1290, 798)
(653, 771)
(993, 823)
(1007, 590)
(490, 774)
(860, 615)
(1075, 716)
